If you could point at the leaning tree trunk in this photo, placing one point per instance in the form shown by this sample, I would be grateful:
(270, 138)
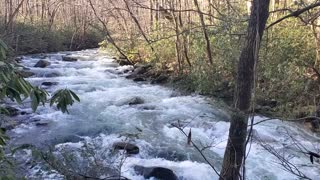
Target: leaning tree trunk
(235, 150)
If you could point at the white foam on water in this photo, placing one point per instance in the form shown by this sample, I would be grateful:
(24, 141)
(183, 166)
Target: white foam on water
(104, 117)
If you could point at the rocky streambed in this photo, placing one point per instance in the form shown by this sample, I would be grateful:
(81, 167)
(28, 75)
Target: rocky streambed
(125, 128)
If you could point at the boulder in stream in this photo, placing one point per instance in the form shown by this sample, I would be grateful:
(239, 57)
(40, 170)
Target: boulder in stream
(42, 64)
(128, 147)
(156, 172)
(136, 101)
(69, 59)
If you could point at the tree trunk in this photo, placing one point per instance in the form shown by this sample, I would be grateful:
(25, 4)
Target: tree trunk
(316, 32)
(204, 29)
(235, 150)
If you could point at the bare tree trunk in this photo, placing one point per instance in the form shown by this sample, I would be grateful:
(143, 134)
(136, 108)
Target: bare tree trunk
(178, 41)
(235, 149)
(140, 28)
(204, 29)
(13, 14)
(108, 35)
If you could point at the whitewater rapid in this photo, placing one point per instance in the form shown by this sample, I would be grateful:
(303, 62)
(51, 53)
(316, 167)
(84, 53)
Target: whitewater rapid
(103, 117)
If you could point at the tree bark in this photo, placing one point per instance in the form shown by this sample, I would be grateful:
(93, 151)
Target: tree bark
(205, 32)
(235, 150)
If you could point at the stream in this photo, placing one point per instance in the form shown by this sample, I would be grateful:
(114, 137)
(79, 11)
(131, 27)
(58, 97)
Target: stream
(105, 116)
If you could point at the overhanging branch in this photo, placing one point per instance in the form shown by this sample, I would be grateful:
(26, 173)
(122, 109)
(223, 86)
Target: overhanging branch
(296, 13)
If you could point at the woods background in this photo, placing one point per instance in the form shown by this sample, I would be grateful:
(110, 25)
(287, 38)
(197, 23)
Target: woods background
(198, 41)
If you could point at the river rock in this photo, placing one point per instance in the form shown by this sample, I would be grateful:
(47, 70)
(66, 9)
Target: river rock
(18, 59)
(148, 107)
(25, 74)
(135, 101)
(312, 125)
(128, 147)
(49, 83)
(126, 70)
(172, 156)
(25, 68)
(12, 111)
(42, 64)
(156, 172)
(139, 72)
(316, 124)
(139, 79)
(142, 69)
(124, 62)
(160, 79)
(42, 124)
(53, 74)
(69, 59)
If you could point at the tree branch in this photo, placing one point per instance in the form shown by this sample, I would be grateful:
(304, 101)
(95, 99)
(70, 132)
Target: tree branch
(296, 13)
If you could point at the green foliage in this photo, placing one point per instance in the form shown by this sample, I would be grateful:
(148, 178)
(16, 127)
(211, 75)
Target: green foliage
(37, 38)
(63, 98)
(38, 96)
(15, 88)
(287, 55)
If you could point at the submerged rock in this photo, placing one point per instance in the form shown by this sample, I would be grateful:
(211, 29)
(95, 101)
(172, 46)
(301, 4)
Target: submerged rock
(139, 79)
(128, 147)
(148, 107)
(172, 156)
(49, 83)
(25, 74)
(156, 172)
(135, 101)
(69, 59)
(54, 74)
(41, 124)
(42, 64)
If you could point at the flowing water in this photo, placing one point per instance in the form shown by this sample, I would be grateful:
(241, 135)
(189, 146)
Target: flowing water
(104, 117)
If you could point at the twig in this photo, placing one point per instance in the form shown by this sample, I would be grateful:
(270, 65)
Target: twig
(199, 150)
